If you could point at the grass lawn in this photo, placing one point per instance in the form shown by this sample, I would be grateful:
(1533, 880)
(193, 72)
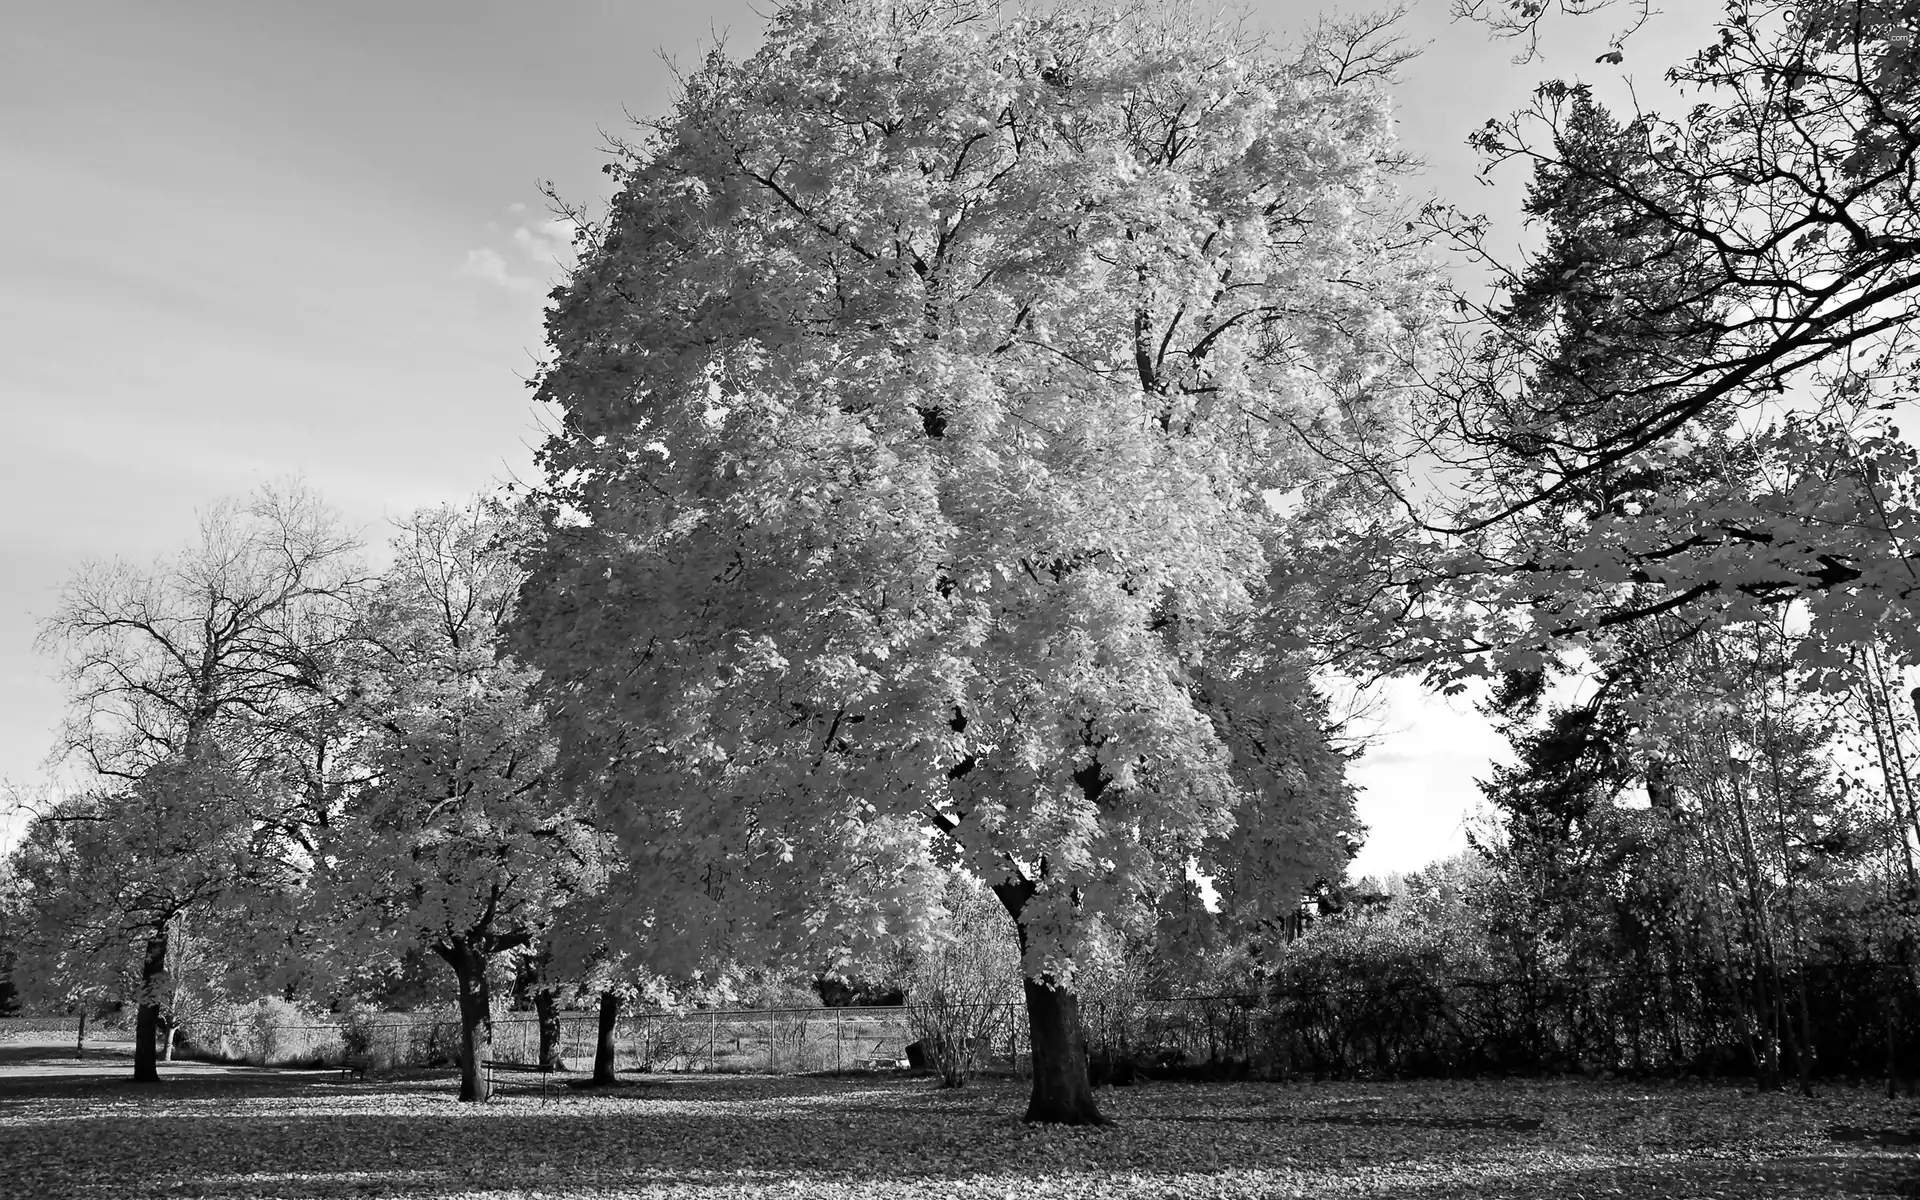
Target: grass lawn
(78, 1129)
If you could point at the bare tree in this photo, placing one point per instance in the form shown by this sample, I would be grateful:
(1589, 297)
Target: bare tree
(197, 688)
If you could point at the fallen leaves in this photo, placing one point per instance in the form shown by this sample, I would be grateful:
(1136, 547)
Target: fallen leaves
(281, 1134)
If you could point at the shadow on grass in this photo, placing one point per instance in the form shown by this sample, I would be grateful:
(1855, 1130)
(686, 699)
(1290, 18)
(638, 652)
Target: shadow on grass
(1501, 1122)
(13, 1053)
(310, 1135)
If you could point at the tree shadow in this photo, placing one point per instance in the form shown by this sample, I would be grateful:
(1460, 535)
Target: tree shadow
(37, 1073)
(1829, 1176)
(14, 1053)
(1499, 1122)
(1909, 1136)
(306, 1136)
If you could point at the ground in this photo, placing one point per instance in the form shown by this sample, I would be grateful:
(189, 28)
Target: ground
(79, 1129)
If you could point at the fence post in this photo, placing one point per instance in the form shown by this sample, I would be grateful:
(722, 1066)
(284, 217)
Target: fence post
(713, 1036)
(837, 1014)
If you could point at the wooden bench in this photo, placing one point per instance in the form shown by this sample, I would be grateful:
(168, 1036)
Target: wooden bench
(354, 1066)
(490, 1065)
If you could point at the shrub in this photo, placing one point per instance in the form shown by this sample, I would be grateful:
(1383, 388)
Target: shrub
(432, 1038)
(267, 1032)
(272, 1023)
(961, 986)
(1379, 996)
(359, 1033)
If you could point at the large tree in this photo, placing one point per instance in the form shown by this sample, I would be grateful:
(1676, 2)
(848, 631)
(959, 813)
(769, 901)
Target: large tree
(186, 680)
(1689, 398)
(938, 405)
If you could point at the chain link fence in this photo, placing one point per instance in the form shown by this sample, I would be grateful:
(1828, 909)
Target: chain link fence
(1860, 1020)
(1855, 1020)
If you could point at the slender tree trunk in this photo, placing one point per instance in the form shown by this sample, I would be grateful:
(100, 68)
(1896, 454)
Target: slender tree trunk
(476, 1018)
(1062, 1088)
(146, 1024)
(1802, 1036)
(1893, 1059)
(1885, 693)
(603, 1045)
(1742, 978)
(1766, 965)
(548, 1008)
(1894, 789)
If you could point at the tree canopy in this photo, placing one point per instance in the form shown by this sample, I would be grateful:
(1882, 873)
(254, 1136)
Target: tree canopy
(1685, 401)
(933, 407)
(983, 437)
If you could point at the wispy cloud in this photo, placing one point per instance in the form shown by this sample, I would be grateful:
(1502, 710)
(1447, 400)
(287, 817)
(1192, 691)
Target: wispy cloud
(524, 257)
(547, 241)
(486, 265)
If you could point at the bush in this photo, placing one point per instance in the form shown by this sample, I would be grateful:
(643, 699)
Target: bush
(1374, 997)
(273, 1022)
(961, 987)
(268, 1032)
(359, 1033)
(429, 1038)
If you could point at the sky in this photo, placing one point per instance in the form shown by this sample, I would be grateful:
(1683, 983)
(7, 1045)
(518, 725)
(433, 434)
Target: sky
(251, 239)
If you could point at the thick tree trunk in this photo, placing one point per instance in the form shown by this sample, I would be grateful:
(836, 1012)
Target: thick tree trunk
(1062, 1089)
(603, 1045)
(548, 1007)
(476, 1019)
(146, 1022)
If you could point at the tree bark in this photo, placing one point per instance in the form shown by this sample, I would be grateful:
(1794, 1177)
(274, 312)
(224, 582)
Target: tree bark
(603, 1046)
(476, 1018)
(548, 1008)
(146, 1024)
(1062, 1088)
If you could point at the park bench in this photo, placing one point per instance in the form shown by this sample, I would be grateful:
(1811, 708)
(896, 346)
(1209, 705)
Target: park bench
(491, 1065)
(354, 1066)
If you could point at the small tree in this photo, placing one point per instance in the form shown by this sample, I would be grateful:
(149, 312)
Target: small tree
(184, 679)
(107, 883)
(461, 842)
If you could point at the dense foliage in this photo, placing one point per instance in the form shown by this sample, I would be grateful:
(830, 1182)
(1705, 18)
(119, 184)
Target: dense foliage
(926, 481)
(983, 440)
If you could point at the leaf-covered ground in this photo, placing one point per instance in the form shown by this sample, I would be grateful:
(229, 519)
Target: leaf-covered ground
(69, 1129)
